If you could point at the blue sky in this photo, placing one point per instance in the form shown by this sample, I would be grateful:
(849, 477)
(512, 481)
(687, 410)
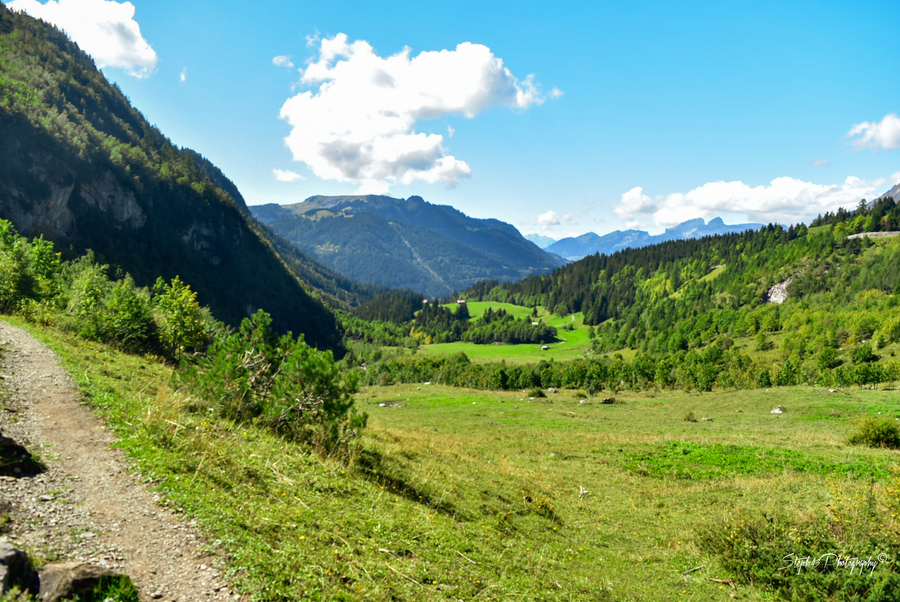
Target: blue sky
(601, 116)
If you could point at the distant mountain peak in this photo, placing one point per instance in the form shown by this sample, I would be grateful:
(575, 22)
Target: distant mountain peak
(894, 193)
(406, 243)
(590, 243)
(540, 240)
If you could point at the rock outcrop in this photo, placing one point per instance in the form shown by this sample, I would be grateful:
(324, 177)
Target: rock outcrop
(53, 215)
(779, 293)
(15, 569)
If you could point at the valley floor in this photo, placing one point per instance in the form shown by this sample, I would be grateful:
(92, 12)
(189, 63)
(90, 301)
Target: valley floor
(457, 494)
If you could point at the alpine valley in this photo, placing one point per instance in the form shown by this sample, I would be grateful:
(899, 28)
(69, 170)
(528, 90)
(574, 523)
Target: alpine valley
(371, 398)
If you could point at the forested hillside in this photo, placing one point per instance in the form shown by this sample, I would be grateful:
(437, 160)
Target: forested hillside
(408, 243)
(645, 289)
(81, 166)
(780, 306)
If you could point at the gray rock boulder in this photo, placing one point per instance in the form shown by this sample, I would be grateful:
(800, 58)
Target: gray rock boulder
(70, 579)
(15, 568)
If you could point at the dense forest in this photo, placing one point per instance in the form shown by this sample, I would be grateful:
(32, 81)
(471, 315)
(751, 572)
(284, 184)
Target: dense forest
(682, 305)
(682, 294)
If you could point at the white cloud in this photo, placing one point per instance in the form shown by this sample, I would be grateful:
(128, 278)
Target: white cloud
(633, 202)
(286, 175)
(450, 131)
(183, 75)
(548, 219)
(883, 134)
(283, 61)
(785, 200)
(820, 163)
(357, 120)
(104, 29)
(556, 93)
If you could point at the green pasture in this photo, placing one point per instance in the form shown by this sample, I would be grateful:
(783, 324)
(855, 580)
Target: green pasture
(572, 344)
(457, 494)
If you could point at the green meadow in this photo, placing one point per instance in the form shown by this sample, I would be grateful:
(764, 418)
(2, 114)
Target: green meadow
(457, 494)
(572, 344)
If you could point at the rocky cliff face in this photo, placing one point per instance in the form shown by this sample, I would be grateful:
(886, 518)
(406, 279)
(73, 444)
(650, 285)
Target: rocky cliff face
(52, 215)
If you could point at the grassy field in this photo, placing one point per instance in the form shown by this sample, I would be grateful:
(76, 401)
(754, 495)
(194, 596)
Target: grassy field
(572, 344)
(473, 495)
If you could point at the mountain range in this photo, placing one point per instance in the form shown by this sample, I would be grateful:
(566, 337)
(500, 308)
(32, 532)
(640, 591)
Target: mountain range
(588, 244)
(406, 243)
(893, 193)
(541, 241)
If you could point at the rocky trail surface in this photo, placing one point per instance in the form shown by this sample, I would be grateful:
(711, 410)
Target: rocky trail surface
(88, 506)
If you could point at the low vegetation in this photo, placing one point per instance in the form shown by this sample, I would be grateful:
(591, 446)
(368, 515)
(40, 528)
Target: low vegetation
(80, 297)
(876, 431)
(483, 495)
(255, 376)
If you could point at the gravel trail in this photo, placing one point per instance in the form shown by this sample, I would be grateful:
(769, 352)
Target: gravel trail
(89, 505)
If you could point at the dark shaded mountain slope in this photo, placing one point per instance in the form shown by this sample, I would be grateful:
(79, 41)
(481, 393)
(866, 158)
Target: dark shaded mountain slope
(81, 166)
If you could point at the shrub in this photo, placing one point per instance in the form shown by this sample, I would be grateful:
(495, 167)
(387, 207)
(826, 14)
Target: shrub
(864, 354)
(180, 320)
(828, 359)
(126, 319)
(876, 432)
(298, 392)
(860, 524)
(537, 393)
(689, 417)
(762, 342)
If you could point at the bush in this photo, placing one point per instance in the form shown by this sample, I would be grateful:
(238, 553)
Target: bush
(126, 319)
(864, 354)
(689, 417)
(861, 523)
(282, 383)
(762, 342)
(180, 320)
(876, 432)
(537, 393)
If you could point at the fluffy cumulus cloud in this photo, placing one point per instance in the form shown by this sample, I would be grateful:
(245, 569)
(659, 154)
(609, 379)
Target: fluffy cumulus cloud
(356, 119)
(633, 203)
(548, 219)
(286, 175)
(104, 29)
(884, 134)
(785, 200)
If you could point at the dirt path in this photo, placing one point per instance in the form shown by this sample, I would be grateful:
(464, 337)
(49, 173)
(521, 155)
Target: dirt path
(88, 506)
